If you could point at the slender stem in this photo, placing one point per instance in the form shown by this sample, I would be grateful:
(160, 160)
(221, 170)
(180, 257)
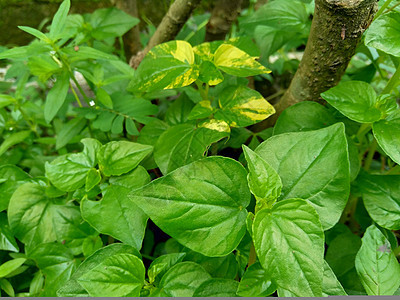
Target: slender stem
(75, 95)
(370, 156)
(393, 7)
(362, 131)
(277, 94)
(87, 100)
(392, 82)
(382, 9)
(203, 91)
(149, 257)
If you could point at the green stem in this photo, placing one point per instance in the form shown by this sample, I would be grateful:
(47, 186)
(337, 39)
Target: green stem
(382, 9)
(362, 131)
(203, 91)
(149, 257)
(392, 82)
(392, 8)
(75, 95)
(370, 156)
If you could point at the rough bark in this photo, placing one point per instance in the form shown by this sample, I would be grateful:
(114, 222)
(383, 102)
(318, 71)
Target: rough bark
(336, 30)
(132, 37)
(177, 15)
(225, 12)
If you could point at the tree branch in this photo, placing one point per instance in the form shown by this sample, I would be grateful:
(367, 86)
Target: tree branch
(225, 12)
(336, 30)
(177, 15)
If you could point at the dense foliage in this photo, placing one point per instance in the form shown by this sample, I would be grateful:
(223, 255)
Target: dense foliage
(150, 182)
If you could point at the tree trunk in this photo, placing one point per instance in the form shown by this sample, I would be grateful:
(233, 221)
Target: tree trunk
(223, 15)
(177, 15)
(336, 30)
(132, 37)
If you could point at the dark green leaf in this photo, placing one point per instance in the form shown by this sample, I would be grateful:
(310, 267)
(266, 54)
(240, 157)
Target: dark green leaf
(56, 96)
(59, 20)
(14, 139)
(7, 240)
(69, 130)
(202, 205)
(11, 177)
(330, 285)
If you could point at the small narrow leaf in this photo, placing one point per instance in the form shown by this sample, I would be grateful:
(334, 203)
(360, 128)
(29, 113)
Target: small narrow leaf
(14, 139)
(10, 266)
(56, 96)
(59, 20)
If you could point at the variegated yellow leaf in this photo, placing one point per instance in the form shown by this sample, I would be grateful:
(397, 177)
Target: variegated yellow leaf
(236, 62)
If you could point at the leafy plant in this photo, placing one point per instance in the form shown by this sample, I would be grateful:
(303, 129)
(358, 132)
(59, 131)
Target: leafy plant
(150, 182)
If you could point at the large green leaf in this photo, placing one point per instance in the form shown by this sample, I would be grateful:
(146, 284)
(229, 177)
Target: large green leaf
(313, 165)
(11, 178)
(120, 275)
(162, 264)
(56, 262)
(381, 196)
(202, 205)
(34, 218)
(115, 214)
(68, 172)
(377, 265)
(387, 134)
(384, 33)
(255, 282)
(56, 96)
(356, 100)
(330, 285)
(264, 183)
(72, 287)
(110, 23)
(303, 116)
(242, 106)
(236, 62)
(289, 242)
(119, 157)
(217, 287)
(183, 144)
(166, 66)
(183, 279)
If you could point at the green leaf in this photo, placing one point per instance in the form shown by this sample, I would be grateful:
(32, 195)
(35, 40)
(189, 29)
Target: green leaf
(377, 265)
(183, 279)
(6, 100)
(303, 116)
(36, 219)
(387, 134)
(93, 178)
(120, 275)
(57, 263)
(69, 130)
(162, 264)
(11, 177)
(330, 285)
(236, 62)
(356, 100)
(119, 157)
(7, 287)
(104, 98)
(111, 23)
(178, 112)
(264, 183)
(201, 110)
(59, 20)
(166, 66)
(217, 287)
(384, 33)
(115, 214)
(72, 288)
(201, 205)
(314, 166)
(255, 282)
(56, 96)
(381, 196)
(14, 139)
(208, 73)
(36, 33)
(7, 240)
(183, 144)
(36, 284)
(10, 266)
(68, 172)
(242, 106)
(295, 263)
